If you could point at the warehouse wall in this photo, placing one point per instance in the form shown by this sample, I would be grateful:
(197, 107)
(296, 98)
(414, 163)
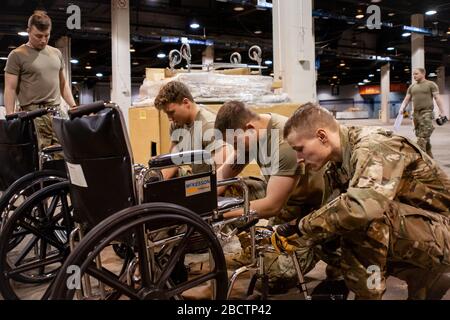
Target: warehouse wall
(349, 97)
(102, 91)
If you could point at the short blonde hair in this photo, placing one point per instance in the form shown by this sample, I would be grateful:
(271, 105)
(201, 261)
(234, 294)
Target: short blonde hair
(308, 118)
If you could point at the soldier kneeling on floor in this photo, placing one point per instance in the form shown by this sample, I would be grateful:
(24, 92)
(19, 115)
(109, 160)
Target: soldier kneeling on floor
(388, 206)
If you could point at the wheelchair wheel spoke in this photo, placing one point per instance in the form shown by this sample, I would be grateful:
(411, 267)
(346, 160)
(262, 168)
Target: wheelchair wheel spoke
(191, 284)
(174, 258)
(43, 235)
(34, 265)
(42, 255)
(52, 207)
(26, 250)
(111, 280)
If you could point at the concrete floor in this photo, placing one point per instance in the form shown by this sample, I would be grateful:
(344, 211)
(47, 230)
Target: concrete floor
(396, 289)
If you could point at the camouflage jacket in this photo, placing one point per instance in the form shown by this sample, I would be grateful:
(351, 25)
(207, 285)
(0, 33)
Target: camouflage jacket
(378, 167)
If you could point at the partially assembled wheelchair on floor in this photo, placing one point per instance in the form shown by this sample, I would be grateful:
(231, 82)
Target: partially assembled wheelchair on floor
(117, 230)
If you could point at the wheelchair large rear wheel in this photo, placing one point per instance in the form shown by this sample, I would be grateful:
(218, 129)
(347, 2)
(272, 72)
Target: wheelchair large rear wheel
(34, 242)
(160, 236)
(24, 187)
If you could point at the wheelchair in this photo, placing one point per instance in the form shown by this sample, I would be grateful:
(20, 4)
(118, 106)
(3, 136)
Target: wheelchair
(118, 231)
(24, 168)
(24, 171)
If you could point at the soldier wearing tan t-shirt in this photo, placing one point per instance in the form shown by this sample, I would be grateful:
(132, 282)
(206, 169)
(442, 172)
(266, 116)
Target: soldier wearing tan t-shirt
(34, 73)
(189, 124)
(422, 94)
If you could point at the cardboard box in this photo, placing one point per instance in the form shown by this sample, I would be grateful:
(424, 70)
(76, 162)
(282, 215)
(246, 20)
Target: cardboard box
(145, 133)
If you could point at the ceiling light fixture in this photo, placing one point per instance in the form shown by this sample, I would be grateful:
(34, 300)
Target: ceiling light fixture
(390, 48)
(258, 32)
(3, 58)
(268, 62)
(391, 14)
(93, 51)
(99, 74)
(88, 67)
(22, 33)
(194, 25)
(238, 8)
(74, 61)
(406, 34)
(161, 55)
(431, 12)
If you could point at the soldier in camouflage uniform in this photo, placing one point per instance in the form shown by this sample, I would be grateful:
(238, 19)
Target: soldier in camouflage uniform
(388, 204)
(422, 94)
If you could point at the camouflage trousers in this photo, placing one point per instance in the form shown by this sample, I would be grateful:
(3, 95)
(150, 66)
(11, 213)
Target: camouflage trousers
(409, 243)
(256, 188)
(44, 129)
(423, 128)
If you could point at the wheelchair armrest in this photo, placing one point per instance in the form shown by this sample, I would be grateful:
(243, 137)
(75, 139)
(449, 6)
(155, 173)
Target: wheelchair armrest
(181, 158)
(52, 149)
(86, 109)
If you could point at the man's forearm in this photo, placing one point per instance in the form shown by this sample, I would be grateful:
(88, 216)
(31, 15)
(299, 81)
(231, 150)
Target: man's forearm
(440, 104)
(67, 96)
(10, 101)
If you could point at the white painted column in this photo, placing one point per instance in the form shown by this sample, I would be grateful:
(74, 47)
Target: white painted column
(208, 56)
(120, 45)
(385, 90)
(294, 48)
(417, 45)
(440, 81)
(64, 45)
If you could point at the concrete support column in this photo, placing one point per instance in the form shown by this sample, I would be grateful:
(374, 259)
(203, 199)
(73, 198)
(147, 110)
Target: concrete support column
(120, 45)
(208, 56)
(417, 44)
(64, 45)
(440, 81)
(385, 91)
(294, 48)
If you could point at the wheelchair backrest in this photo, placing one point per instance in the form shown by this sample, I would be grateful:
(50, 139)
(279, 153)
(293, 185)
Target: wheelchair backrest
(99, 162)
(18, 149)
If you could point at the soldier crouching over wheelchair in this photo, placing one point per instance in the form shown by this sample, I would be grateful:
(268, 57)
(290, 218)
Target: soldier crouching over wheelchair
(391, 211)
(291, 192)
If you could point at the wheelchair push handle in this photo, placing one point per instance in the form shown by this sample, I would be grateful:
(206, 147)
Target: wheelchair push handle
(86, 109)
(181, 158)
(24, 115)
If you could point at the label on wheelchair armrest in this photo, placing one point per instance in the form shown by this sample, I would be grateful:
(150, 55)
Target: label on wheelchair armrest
(76, 175)
(197, 186)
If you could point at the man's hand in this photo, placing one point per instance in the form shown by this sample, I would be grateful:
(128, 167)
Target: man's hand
(283, 239)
